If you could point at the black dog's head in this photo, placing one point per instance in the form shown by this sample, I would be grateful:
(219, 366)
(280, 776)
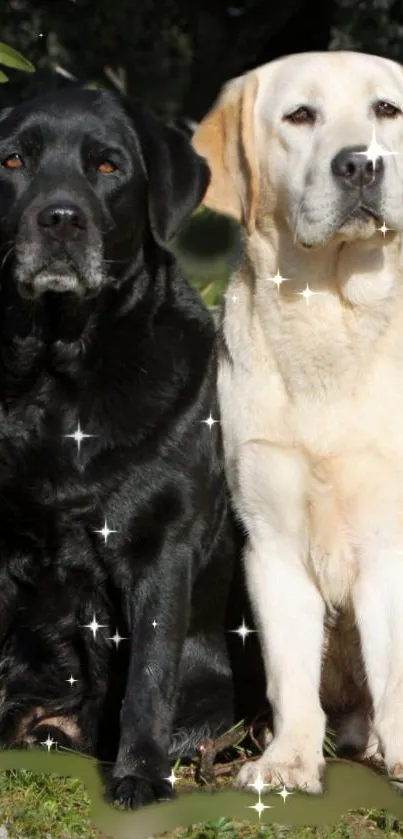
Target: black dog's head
(82, 177)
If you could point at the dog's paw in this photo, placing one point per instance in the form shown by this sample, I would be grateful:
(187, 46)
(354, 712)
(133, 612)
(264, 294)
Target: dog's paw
(133, 792)
(297, 775)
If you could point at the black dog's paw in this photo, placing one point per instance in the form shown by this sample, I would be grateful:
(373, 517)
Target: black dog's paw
(135, 792)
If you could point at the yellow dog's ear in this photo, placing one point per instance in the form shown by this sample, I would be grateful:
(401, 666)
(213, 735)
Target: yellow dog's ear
(226, 138)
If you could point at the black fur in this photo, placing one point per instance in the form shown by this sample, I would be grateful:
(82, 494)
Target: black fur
(97, 327)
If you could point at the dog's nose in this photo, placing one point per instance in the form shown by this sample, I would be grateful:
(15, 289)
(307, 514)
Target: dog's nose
(62, 220)
(353, 168)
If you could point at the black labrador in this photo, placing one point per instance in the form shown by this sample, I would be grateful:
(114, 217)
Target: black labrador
(116, 540)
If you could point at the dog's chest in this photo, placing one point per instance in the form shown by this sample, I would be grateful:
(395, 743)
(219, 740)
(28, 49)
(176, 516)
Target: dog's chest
(47, 439)
(316, 442)
(313, 375)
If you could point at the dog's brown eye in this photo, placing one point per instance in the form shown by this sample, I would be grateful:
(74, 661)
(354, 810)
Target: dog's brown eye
(106, 167)
(301, 116)
(386, 109)
(13, 161)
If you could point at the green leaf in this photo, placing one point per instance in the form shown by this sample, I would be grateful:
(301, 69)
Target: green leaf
(3, 77)
(11, 58)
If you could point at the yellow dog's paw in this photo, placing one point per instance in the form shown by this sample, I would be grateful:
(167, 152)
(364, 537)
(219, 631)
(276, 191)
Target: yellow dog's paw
(298, 775)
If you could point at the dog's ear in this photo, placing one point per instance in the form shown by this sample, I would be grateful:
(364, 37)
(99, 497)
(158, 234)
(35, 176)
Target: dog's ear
(226, 139)
(177, 176)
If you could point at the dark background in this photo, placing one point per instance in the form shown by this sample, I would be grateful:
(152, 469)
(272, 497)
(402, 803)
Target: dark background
(176, 54)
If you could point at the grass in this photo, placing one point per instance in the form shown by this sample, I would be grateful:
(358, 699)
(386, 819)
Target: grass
(34, 806)
(356, 825)
(41, 806)
(37, 806)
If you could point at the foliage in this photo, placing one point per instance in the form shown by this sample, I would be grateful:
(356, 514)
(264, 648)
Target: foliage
(174, 54)
(372, 26)
(11, 58)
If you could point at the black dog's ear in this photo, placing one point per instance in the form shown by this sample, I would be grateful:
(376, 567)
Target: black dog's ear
(177, 176)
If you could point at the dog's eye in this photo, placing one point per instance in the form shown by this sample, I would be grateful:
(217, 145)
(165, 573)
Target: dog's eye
(106, 167)
(301, 116)
(13, 161)
(386, 109)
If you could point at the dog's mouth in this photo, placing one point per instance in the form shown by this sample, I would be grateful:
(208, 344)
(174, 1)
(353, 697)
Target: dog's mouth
(361, 221)
(361, 212)
(59, 276)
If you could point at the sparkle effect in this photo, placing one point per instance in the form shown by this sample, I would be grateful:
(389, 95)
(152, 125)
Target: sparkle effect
(375, 150)
(210, 421)
(78, 436)
(71, 681)
(105, 532)
(116, 638)
(277, 279)
(284, 793)
(154, 624)
(383, 229)
(172, 778)
(243, 631)
(259, 786)
(307, 293)
(94, 626)
(49, 742)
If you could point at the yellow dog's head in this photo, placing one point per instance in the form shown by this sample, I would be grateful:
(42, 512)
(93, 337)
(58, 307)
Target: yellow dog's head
(314, 140)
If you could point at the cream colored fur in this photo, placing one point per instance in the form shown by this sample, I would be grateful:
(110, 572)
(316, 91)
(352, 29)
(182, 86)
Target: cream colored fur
(311, 396)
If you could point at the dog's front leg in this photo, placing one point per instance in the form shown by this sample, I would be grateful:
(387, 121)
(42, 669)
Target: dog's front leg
(160, 619)
(378, 608)
(289, 612)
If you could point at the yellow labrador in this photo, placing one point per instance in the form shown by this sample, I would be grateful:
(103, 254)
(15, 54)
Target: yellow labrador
(307, 153)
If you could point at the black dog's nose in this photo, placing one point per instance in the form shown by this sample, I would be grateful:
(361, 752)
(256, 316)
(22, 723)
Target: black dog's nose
(62, 220)
(352, 168)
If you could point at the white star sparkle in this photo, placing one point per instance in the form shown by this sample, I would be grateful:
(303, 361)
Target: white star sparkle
(277, 279)
(94, 626)
(307, 293)
(258, 785)
(105, 532)
(284, 793)
(71, 681)
(78, 436)
(243, 631)
(49, 742)
(259, 807)
(116, 638)
(210, 421)
(383, 229)
(172, 778)
(234, 297)
(154, 623)
(375, 150)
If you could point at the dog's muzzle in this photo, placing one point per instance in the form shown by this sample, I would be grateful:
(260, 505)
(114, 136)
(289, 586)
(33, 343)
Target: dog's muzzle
(59, 251)
(359, 180)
